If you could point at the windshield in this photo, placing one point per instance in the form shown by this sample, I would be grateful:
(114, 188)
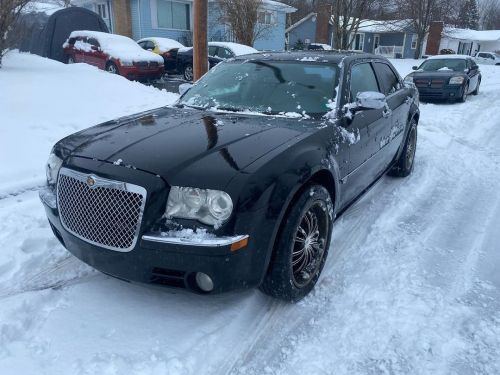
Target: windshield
(268, 87)
(457, 65)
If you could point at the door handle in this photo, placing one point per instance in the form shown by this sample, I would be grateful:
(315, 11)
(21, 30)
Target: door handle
(387, 113)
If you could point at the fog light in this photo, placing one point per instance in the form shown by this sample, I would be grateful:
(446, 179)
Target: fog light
(204, 282)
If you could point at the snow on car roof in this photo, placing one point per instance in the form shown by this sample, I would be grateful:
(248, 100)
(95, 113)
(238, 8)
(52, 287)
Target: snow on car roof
(118, 46)
(238, 49)
(164, 44)
(437, 57)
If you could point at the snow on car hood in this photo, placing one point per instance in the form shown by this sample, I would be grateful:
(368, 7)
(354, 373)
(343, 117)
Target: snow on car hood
(117, 46)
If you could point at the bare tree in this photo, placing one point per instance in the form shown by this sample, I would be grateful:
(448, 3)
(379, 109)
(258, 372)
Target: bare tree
(10, 11)
(245, 18)
(420, 14)
(489, 14)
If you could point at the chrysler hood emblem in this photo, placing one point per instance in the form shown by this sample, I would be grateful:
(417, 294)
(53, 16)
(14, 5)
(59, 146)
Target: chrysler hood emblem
(90, 181)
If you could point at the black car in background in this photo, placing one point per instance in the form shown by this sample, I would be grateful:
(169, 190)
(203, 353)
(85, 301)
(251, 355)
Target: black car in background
(446, 77)
(238, 184)
(185, 62)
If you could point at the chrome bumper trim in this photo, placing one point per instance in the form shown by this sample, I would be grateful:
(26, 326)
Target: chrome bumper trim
(208, 242)
(48, 197)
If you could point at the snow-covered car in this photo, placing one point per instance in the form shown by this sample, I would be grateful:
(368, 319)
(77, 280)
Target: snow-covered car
(446, 77)
(217, 52)
(165, 47)
(114, 53)
(238, 184)
(490, 58)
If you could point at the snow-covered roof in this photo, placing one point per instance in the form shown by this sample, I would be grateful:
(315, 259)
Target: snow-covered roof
(238, 49)
(374, 26)
(467, 34)
(439, 57)
(118, 46)
(164, 44)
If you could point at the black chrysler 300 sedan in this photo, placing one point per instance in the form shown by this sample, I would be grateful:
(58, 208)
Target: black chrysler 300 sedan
(446, 77)
(238, 184)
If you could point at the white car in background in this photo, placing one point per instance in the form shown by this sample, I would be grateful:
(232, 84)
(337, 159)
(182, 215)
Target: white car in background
(490, 58)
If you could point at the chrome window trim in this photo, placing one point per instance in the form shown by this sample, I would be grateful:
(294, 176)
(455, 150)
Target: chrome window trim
(110, 184)
(209, 242)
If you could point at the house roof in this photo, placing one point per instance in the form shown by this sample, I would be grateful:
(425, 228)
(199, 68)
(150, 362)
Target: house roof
(300, 22)
(467, 34)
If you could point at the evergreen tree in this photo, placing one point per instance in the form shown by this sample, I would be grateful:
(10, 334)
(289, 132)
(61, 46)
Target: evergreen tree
(468, 17)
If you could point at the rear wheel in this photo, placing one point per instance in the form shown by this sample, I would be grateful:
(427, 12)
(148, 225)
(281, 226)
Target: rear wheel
(405, 163)
(463, 98)
(301, 247)
(71, 60)
(111, 68)
(188, 73)
(476, 91)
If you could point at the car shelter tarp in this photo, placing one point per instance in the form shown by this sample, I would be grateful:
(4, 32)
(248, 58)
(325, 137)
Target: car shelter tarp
(44, 35)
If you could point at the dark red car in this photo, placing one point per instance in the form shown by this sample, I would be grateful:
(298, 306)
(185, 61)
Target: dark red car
(114, 53)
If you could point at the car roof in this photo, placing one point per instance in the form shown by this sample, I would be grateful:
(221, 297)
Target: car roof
(438, 57)
(311, 56)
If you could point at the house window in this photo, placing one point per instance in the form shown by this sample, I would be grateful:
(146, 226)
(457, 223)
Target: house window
(265, 18)
(102, 10)
(173, 15)
(358, 42)
(414, 39)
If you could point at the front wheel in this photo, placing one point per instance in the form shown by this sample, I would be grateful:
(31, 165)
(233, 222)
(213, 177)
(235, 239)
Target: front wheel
(406, 161)
(463, 98)
(188, 73)
(476, 91)
(301, 246)
(112, 68)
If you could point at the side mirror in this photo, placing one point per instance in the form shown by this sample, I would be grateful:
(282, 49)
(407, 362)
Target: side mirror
(370, 100)
(414, 67)
(184, 87)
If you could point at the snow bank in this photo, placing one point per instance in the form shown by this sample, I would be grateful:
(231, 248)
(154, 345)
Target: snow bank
(42, 100)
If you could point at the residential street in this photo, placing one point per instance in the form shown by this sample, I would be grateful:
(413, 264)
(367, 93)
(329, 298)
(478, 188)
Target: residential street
(411, 285)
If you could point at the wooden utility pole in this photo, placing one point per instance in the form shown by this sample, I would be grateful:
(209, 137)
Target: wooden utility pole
(200, 41)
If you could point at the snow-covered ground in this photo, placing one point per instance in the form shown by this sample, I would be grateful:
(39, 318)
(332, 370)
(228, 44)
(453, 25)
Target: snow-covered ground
(411, 285)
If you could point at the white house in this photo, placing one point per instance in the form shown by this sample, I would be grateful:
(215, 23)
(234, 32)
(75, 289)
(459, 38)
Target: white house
(469, 42)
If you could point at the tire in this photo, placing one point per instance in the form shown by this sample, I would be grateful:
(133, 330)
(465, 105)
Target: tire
(300, 250)
(70, 60)
(112, 68)
(404, 165)
(476, 91)
(188, 72)
(463, 98)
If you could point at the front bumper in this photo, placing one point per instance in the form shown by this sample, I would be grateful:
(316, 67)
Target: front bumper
(446, 92)
(232, 262)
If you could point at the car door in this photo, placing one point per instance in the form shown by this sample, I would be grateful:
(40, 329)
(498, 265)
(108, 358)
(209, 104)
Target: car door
(473, 73)
(79, 49)
(95, 56)
(365, 128)
(399, 101)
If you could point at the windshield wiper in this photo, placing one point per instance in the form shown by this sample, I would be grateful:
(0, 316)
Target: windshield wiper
(230, 109)
(182, 105)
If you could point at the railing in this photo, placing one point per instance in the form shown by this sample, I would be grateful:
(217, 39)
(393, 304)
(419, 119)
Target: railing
(389, 51)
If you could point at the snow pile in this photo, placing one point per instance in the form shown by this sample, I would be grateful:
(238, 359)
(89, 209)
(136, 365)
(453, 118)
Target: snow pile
(118, 46)
(42, 101)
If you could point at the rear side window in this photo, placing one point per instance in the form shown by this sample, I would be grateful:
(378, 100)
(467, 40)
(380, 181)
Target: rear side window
(362, 79)
(388, 79)
(212, 50)
(71, 41)
(225, 53)
(93, 42)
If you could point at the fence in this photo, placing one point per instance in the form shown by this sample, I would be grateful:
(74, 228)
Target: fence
(390, 51)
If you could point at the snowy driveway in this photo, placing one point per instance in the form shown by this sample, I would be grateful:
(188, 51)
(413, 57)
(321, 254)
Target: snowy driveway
(411, 285)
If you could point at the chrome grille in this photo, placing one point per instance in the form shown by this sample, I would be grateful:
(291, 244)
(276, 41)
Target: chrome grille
(103, 212)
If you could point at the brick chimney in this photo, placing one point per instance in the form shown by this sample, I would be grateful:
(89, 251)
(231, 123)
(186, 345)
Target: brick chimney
(434, 38)
(122, 17)
(322, 23)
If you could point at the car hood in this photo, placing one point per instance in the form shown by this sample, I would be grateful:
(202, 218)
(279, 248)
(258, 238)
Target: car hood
(437, 74)
(182, 145)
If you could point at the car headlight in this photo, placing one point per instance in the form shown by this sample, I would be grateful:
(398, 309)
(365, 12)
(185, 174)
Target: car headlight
(408, 79)
(456, 80)
(211, 207)
(52, 168)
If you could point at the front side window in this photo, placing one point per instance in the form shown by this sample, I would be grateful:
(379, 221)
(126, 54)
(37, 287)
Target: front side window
(388, 78)
(269, 87)
(173, 15)
(362, 80)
